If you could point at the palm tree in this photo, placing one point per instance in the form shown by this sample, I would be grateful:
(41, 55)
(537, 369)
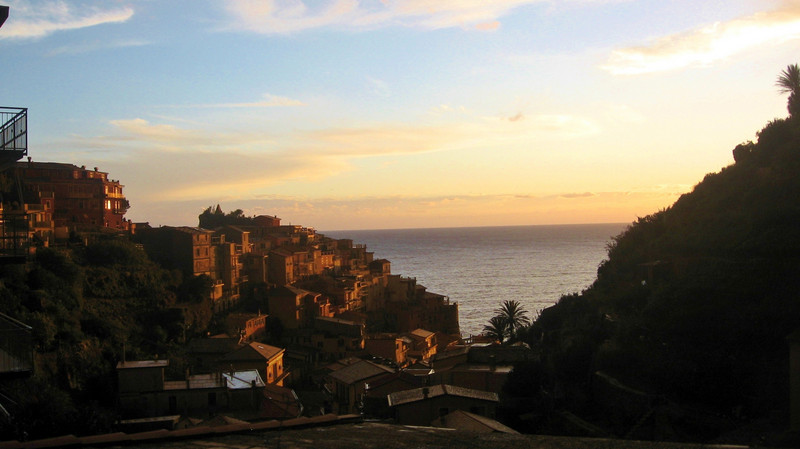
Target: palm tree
(496, 329)
(514, 316)
(789, 82)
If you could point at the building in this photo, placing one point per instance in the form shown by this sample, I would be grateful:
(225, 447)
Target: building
(391, 347)
(421, 406)
(423, 344)
(268, 360)
(296, 308)
(77, 198)
(184, 248)
(205, 353)
(247, 326)
(143, 391)
(348, 384)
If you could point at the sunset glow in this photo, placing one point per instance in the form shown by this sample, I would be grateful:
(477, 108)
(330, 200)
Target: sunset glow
(356, 114)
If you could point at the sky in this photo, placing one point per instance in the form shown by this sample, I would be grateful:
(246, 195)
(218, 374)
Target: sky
(370, 114)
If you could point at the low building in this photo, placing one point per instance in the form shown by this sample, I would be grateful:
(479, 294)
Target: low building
(280, 403)
(266, 359)
(421, 406)
(348, 384)
(143, 391)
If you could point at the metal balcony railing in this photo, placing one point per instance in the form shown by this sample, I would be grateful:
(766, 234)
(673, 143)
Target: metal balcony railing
(14, 129)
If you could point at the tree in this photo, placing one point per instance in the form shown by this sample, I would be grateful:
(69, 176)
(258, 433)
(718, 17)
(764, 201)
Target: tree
(514, 316)
(497, 328)
(789, 82)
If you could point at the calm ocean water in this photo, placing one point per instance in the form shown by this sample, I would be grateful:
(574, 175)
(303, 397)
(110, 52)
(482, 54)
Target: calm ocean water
(481, 267)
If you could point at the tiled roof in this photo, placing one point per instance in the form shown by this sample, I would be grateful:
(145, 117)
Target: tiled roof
(422, 333)
(359, 371)
(419, 394)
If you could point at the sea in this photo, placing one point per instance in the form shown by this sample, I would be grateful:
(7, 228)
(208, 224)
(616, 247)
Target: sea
(480, 267)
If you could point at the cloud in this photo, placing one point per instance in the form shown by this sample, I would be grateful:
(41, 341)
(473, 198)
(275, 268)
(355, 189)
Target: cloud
(379, 87)
(140, 133)
(194, 161)
(383, 139)
(519, 116)
(288, 16)
(488, 26)
(578, 195)
(268, 101)
(702, 47)
(39, 19)
(95, 46)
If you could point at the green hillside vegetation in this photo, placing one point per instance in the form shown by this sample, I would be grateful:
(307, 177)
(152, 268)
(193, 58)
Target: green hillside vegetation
(695, 301)
(86, 305)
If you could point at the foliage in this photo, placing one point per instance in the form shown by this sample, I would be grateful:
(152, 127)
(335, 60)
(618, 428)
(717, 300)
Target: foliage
(789, 82)
(509, 318)
(85, 304)
(695, 301)
(212, 218)
(496, 329)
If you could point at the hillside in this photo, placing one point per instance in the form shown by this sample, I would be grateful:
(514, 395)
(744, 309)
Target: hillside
(695, 302)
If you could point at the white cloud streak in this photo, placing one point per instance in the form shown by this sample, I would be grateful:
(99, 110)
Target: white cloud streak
(289, 16)
(95, 46)
(31, 20)
(707, 45)
(267, 101)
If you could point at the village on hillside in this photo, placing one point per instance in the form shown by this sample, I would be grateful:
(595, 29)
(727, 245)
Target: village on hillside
(307, 325)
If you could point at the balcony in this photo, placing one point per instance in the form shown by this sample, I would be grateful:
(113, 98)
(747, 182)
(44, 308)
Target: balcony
(13, 136)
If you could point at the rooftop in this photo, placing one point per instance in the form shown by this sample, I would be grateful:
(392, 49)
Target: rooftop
(359, 371)
(254, 350)
(419, 394)
(243, 379)
(195, 382)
